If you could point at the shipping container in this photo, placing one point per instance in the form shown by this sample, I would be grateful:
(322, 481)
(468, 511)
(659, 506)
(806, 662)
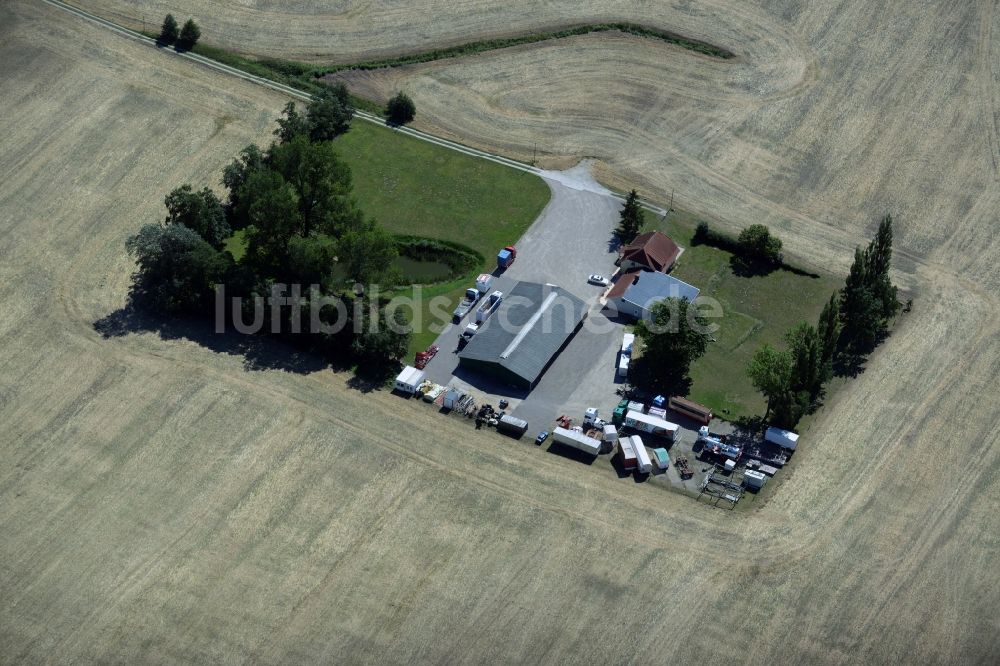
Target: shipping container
(627, 453)
(511, 425)
(692, 410)
(662, 459)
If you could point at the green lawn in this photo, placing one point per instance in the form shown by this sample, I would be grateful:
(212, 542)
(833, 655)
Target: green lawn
(414, 187)
(756, 310)
(417, 188)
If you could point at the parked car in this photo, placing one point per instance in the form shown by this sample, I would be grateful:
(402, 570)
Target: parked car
(542, 436)
(599, 280)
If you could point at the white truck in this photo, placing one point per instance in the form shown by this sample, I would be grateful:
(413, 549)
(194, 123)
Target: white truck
(651, 424)
(645, 465)
(577, 440)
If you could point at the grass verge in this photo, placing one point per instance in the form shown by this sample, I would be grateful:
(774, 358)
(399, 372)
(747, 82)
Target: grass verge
(756, 310)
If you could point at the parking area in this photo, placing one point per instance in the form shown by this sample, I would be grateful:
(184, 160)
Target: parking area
(572, 239)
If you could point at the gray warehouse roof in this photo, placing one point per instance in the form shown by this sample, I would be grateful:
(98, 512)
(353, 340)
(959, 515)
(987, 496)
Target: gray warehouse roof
(643, 288)
(531, 325)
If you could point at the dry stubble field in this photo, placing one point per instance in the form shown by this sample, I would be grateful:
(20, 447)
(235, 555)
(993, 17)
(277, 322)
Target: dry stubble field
(161, 502)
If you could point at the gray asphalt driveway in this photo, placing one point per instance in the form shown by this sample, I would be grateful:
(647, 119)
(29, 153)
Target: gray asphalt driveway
(570, 240)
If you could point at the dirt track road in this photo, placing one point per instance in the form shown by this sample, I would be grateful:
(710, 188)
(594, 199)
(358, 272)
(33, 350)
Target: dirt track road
(165, 499)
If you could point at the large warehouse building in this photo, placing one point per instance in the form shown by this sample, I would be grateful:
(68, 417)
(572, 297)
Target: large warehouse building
(525, 334)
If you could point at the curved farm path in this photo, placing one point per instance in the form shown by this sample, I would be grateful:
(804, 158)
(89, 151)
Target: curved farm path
(168, 501)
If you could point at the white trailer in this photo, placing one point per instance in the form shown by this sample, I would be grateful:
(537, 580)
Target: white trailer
(651, 424)
(511, 425)
(577, 440)
(755, 479)
(786, 439)
(483, 283)
(610, 433)
(623, 363)
(408, 380)
(641, 455)
(627, 341)
(489, 307)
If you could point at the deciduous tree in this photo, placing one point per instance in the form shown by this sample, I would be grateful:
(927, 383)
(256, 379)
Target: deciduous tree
(673, 338)
(322, 183)
(366, 253)
(770, 371)
(756, 244)
(330, 113)
(400, 109)
(201, 212)
(177, 269)
(291, 124)
(251, 159)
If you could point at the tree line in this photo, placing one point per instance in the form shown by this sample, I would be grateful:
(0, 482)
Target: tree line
(292, 203)
(853, 322)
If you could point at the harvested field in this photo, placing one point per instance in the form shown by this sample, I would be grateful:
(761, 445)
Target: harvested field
(339, 31)
(163, 502)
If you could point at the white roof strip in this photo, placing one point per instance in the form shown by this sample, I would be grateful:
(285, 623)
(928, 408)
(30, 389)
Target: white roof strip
(529, 325)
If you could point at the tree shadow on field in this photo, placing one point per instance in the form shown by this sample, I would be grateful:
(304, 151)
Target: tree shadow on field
(258, 352)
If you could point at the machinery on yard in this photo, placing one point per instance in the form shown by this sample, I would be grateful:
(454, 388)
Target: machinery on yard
(683, 469)
(423, 358)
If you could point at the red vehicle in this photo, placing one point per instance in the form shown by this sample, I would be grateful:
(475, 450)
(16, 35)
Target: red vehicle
(506, 257)
(424, 357)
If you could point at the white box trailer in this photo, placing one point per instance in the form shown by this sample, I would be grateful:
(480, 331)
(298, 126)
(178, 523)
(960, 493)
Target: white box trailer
(651, 424)
(627, 341)
(511, 425)
(610, 433)
(641, 455)
(577, 440)
(623, 363)
(755, 479)
(786, 439)
(409, 379)
(483, 283)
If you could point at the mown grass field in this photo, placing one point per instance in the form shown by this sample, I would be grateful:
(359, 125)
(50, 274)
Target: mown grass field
(757, 310)
(417, 188)
(414, 187)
